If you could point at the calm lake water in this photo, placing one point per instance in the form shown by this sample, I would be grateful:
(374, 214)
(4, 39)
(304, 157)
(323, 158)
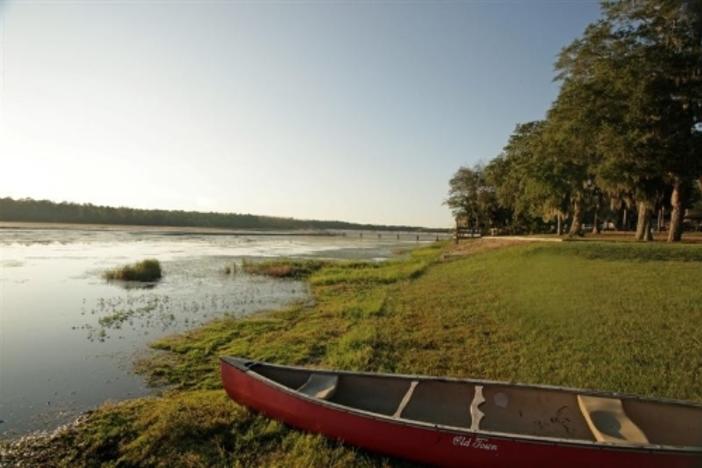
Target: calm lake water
(68, 338)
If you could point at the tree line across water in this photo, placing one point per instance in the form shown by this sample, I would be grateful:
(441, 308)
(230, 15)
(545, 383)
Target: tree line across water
(45, 211)
(624, 134)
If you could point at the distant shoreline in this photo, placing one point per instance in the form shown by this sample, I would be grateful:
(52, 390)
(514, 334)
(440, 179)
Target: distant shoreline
(47, 212)
(189, 230)
(164, 230)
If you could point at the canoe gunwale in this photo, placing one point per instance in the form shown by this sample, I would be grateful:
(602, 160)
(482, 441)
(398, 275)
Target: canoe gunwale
(245, 365)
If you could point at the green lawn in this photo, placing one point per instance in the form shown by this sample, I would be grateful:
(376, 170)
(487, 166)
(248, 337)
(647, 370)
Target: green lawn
(611, 316)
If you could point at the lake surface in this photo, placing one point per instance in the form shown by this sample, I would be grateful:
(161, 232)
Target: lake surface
(68, 338)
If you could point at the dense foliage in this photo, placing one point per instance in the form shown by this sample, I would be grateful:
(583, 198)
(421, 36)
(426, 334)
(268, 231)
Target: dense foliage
(625, 132)
(45, 211)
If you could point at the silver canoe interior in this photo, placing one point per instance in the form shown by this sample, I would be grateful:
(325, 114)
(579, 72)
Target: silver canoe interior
(502, 408)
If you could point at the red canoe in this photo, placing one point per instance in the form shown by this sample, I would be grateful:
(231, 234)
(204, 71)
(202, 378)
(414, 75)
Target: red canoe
(451, 422)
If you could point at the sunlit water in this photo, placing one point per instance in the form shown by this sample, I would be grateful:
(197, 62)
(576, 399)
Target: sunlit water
(68, 338)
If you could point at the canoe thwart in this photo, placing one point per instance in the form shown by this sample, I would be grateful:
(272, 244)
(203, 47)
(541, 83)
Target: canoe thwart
(405, 399)
(475, 414)
(608, 421)
(320, 386)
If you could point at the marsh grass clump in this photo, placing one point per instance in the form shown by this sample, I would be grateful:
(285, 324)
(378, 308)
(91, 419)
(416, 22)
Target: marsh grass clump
(114, 320)
(145, 271)
(284, 268)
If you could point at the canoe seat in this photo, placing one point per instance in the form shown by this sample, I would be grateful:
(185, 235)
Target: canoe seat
(320, 386)
(476, 415)
(608, 421)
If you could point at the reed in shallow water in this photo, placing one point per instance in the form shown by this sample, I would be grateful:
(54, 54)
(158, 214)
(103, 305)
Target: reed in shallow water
(146, 271)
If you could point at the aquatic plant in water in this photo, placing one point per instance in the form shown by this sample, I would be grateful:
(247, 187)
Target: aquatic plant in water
(283, 268)
(146, 270)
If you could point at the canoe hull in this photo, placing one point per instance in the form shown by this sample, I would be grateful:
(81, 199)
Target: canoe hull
(430, 445)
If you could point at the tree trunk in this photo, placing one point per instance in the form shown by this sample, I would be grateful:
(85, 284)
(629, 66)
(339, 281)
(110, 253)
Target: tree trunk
(658, 219)
(643, 223)
(577, 221)
(559, 224)
(625, 227)
(648, 233)
(676, 213)
(595, 224)
(596, 220)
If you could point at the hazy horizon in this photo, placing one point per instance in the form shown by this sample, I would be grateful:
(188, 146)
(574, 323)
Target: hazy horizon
(357, 112)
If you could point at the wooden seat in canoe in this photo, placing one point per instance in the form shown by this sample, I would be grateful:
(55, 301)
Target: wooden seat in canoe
(608, 421)
(476, 415)
(320, 386)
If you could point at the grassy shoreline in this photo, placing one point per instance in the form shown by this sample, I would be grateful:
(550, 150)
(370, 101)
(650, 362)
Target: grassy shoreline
(612, 316)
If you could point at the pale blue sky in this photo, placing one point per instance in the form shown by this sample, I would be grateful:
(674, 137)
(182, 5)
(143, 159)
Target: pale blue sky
(359, 111)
